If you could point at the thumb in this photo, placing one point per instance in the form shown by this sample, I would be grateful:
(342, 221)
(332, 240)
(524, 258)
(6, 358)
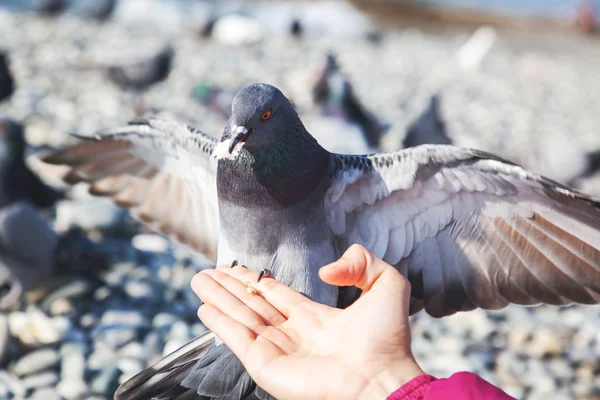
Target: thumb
(359, 267)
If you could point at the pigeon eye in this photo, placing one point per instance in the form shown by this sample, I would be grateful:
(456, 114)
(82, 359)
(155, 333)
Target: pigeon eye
(266, 115)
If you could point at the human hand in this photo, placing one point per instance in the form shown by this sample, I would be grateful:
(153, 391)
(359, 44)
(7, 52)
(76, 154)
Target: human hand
(295, 348)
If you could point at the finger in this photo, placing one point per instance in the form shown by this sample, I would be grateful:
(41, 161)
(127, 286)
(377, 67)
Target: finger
(281, 297)
(359, 267)
(211, 292)
(253, 350)
(257, 303)
(235, 335)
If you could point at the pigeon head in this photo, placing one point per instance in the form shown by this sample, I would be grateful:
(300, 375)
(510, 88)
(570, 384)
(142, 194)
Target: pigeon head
(260, 115)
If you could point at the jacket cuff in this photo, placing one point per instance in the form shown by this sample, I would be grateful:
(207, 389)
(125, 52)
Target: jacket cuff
(414, 389)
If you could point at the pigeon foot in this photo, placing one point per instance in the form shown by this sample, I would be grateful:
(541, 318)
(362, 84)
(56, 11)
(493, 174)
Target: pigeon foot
(265, 273)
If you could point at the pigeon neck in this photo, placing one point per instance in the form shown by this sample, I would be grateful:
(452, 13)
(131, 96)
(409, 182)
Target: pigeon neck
(283, 175)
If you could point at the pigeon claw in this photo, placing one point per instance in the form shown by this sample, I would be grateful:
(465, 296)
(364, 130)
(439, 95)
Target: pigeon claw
(234, 263)
(265, 273)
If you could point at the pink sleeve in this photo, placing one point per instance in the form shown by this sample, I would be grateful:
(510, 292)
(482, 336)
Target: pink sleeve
(462, 385)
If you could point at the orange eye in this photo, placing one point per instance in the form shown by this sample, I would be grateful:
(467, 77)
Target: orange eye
(266, 115)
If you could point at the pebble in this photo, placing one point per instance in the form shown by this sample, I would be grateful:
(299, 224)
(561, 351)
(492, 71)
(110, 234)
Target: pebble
(35, 328)
(36, 361)
(235, 30)
(72, 388)
(163, 321)
(93, 213)
(102, 356)
(150, 242)
(107, 380)
(133, 350)
(44, 379)
(12, 384)
(549, 395)
(116, 337)
(61, 307)
(74, 289)
(45, 394)
(561, 370)
(129, 366)
(123, 318)
(140, 290)
(547, 342)
(73, 361)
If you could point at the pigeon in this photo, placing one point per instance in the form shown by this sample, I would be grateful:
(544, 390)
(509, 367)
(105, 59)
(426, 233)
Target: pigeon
(592, 163)
(7, 83)
(141, 75)
(429, 128)
(27, 249)
(99, 10)
(334, 92)
(27, 243)
(50, 8)
(17, 181)
(467, 228)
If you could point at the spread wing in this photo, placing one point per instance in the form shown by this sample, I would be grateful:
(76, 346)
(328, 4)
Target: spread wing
(161, 170)
(467, 228)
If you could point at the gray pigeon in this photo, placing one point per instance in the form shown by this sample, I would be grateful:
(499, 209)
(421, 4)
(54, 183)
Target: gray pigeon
(429, 128)
(27, 246)
(334, 92)
(140, 75)
(17, 181)
(27, 243)
(7, 83)
(467, 228)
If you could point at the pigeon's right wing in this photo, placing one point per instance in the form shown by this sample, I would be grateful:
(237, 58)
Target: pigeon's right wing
(162, 170)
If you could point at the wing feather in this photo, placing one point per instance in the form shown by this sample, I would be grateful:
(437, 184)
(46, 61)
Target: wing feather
(467, 228)
(161, 170)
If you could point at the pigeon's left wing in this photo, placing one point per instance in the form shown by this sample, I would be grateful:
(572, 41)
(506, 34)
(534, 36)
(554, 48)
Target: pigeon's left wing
(467, 228)
(161, 170)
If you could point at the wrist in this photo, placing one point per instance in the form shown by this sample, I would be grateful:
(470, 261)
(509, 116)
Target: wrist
(386, 381)
(398, 375)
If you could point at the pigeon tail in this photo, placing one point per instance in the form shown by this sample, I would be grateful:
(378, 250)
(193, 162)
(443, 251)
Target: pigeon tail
(162, 380)
(202, 369)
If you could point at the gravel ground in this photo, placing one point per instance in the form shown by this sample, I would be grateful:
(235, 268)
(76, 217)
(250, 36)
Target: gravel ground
(533, 99)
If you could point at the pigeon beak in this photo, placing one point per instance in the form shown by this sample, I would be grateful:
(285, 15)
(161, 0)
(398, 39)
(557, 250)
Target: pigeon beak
(240, 134)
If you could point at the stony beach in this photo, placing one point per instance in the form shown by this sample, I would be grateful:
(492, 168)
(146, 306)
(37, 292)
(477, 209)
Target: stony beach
(533, 98)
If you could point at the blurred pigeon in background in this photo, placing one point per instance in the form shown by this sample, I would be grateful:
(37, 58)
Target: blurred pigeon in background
(95, 9)
(140, 75)
(27, 243)
(334, 93)
(467, 228)
(27, 246)
(429, 128)
(593, 163)
(7, 83)
(17, 181)
(50, 7)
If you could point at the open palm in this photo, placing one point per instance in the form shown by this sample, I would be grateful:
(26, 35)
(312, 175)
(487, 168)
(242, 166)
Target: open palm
(295, 348)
